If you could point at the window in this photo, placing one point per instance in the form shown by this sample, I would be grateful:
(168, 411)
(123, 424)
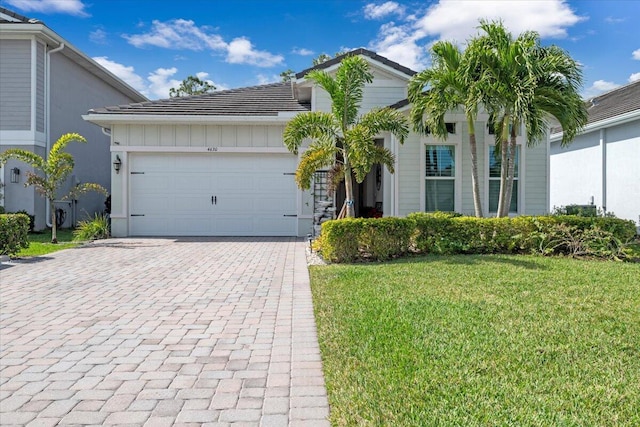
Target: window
(440, 178)
(451, 128)
(494, 180)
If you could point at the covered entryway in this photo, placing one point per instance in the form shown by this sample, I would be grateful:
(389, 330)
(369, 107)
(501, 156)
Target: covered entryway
(212, 194)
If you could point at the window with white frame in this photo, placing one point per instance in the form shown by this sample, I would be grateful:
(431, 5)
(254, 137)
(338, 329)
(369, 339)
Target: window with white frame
(495, 162)
(440, 177)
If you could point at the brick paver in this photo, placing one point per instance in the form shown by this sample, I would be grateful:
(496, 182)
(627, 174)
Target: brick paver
(202, 331)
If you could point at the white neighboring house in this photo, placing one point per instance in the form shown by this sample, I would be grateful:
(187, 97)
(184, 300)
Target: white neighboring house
(601, 166)
(215, 164)
(46, 85)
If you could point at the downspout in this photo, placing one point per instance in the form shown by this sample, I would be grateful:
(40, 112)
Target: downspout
(603, 146)
(47, 115)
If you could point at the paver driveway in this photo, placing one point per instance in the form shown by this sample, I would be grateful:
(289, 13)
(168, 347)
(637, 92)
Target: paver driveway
(215, 331)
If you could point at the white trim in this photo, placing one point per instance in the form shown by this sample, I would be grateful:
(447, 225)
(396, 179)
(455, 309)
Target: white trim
(611, 121)
(22, 137)
(107, 120)
(34, 83)
(396, 178)
(160, 149)
(457, 177)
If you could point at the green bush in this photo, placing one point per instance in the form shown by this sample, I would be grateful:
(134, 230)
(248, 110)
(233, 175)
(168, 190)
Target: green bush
(14, 230)
(361, 239)
(354, 239)
(92, 229)
(32, 219)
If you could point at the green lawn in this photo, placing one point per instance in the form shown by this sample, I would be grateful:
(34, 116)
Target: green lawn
(40, 243)
(481, 341)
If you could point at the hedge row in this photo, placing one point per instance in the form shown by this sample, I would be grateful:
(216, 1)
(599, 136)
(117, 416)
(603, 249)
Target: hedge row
(350, 240)
(13, 233)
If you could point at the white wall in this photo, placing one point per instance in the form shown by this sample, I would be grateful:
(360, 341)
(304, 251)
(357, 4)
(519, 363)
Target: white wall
(578, 172)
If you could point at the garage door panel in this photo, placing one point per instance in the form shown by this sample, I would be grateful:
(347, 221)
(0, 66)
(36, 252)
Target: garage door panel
(253, 194)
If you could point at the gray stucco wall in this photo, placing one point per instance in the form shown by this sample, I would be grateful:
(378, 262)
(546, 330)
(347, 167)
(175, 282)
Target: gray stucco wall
(15, 85)
(16, 196)
(73, 92)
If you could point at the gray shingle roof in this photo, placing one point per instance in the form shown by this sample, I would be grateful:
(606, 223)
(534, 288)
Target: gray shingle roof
(263, 100)
(619, 101)
(10, 17)
(356, 52)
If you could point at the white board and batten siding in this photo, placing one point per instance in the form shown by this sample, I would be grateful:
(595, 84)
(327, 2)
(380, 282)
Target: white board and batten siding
(205, 180)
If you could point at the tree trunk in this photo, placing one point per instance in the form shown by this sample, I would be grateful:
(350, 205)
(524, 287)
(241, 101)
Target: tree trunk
(54, 231)
(477, 204)
(348, 188)
(511, 170)
(504, 166)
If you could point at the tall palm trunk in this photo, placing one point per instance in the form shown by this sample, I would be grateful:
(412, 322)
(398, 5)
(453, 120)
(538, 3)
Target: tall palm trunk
(510, 171)
(504, 167)
(54, 231)
(348, 189)
(477, 204)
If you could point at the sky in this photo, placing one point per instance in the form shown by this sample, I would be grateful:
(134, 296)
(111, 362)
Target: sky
(154, 44)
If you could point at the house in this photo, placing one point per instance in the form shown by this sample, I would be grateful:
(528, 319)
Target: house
(46, 85)
(601, 167)
(215, 164)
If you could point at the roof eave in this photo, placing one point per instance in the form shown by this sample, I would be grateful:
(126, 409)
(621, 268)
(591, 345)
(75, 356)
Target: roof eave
(102, 119)
(601, 124)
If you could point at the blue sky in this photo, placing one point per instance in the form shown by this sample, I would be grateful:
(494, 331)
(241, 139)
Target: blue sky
(154, 44)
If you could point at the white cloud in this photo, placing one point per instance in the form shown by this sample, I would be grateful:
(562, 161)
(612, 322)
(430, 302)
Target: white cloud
(184, 34)
(633, 77)
(399, 44)
(71, 7)
(457, 20)
(98, 36)
(636, 54)
(160, 82)
(378, 11)
(157, 83)
(126, 73)
(408, 40)
(263, 79)
(598, 87)
(241, 51)
(302, 51)
(177, 34)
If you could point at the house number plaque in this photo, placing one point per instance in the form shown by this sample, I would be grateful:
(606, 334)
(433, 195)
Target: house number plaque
(212, 148)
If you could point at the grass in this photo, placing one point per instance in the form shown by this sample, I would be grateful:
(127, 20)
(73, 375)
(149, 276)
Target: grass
(40, 243)
(480, 341)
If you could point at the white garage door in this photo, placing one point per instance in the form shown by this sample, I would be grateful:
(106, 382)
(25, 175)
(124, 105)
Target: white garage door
(212, 194)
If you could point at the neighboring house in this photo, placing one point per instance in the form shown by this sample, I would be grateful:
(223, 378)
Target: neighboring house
(45, 86)
(215, 164)
(601, 167)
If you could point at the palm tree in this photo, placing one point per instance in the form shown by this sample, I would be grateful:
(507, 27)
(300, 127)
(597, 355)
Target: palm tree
(54, 171)
(449, 84)
(341, 136)
(524, 83)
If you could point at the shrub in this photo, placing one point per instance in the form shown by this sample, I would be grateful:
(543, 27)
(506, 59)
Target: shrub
(14, 229)
(444, 233)
(353, 239)
(92, 229)
(32, 219)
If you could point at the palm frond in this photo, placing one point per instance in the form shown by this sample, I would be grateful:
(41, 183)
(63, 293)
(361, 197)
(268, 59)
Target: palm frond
(314, 125)
(317, 156)
(25, 156)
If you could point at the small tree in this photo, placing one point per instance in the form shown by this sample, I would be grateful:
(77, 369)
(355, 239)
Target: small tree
(343, 136)
(53, 173)
(287, 75)
(192, 85)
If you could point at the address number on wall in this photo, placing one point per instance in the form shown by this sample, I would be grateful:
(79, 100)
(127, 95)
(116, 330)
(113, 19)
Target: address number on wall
(212, 148)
